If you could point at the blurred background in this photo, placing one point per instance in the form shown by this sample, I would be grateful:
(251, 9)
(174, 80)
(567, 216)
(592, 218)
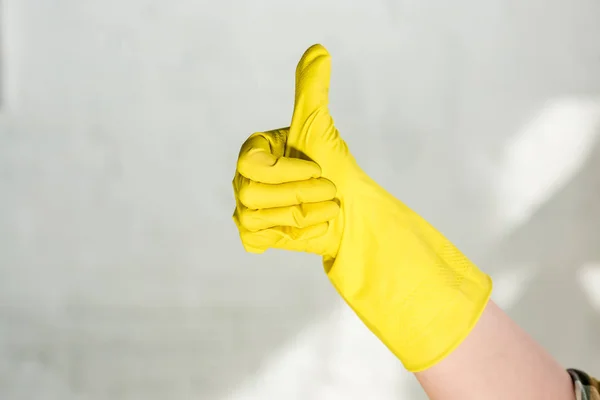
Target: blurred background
(121, 273)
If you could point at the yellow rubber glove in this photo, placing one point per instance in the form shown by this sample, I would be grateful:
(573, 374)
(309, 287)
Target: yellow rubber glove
(300, 189)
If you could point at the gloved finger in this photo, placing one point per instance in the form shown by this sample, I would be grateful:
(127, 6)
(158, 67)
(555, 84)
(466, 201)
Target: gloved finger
(259, 163)
(312, 128)
(311, 102)
(313, 75)
(282, 237)
(298, 216)
(256, 195)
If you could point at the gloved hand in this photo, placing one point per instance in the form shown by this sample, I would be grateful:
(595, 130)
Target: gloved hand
(300, 189)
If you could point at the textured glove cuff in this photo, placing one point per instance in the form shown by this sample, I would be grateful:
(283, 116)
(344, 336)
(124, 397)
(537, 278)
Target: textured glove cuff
(454, 320)
(411, 287)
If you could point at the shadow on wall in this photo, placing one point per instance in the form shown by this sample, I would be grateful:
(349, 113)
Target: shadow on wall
(556, 242)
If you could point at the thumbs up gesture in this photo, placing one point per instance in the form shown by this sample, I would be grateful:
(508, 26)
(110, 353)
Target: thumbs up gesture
(289, 182)
(300, 189)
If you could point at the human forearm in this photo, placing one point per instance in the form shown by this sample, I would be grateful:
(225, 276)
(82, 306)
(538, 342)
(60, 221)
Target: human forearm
(497, 360)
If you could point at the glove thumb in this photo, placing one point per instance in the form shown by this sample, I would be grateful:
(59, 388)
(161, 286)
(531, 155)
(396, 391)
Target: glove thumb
(312, 132)
(312, 82)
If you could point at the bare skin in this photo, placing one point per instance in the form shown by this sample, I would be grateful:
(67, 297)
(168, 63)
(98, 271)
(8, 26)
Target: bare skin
(498, 360)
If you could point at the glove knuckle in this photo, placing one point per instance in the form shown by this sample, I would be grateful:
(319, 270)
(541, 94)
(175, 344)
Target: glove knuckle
(243, 166)
(245, 196)
(247, 219)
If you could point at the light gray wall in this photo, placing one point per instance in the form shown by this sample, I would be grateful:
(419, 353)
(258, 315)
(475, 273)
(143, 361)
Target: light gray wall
(121, 273)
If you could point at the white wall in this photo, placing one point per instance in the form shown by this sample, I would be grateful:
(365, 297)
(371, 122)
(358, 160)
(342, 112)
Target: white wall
(121, 273)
